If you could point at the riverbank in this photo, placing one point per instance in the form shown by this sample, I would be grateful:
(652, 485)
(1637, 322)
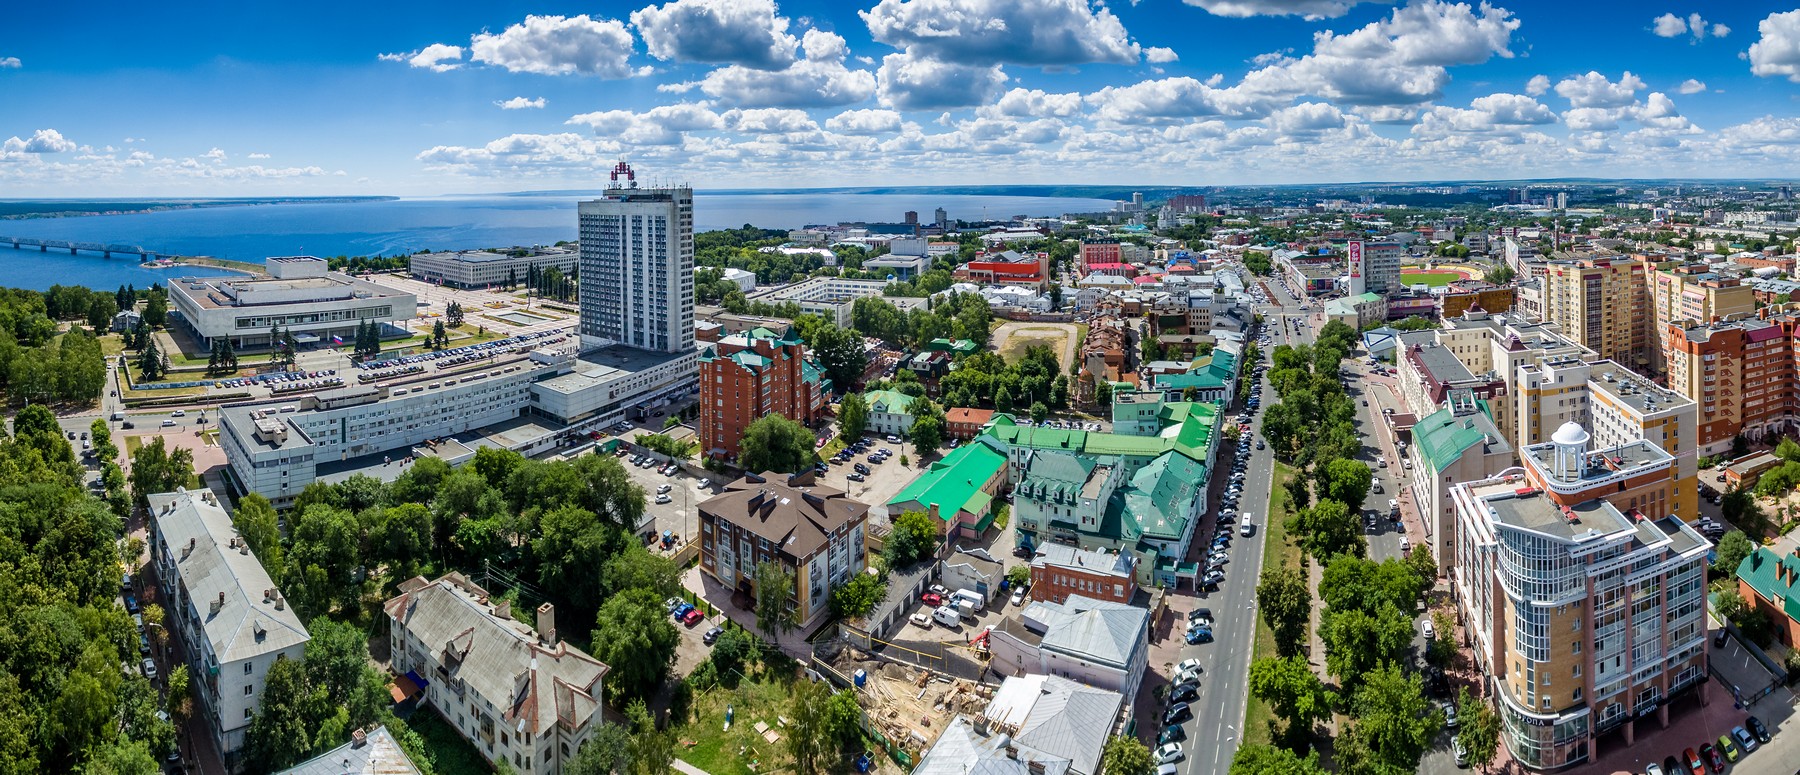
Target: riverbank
(218, 263)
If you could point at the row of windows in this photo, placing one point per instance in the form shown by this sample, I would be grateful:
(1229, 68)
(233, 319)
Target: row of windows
(306, 318)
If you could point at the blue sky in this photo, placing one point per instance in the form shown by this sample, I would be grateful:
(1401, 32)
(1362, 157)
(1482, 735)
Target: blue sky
(251, 99)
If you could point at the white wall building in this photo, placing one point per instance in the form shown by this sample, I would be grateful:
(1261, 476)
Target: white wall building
(300, 296)
(481, 268)
(637, 269)
(520, 696)
(233, 620)
(1095, 642)
(829, 297)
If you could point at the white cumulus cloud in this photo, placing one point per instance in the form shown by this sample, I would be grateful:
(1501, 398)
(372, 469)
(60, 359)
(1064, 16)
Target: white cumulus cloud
(1691, 86)
(519, 103)
(1669, 25)
(1310, 9)
(10, 63)
(558, 45)
(256, 156)
(661, 125)
(989, 32)
(739, 32)
(819, 80)
(1537, 85)
(41, 141)
(437, 57)
(1777, 52)
(1160, 55)
(910, 82)
(1594, 90)
(864, 121)
(1035, 102)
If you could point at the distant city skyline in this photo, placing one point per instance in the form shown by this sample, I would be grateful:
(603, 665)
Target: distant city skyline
(413, 98)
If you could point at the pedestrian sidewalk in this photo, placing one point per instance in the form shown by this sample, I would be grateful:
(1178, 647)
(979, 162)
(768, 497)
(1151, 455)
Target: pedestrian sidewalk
(689, 769)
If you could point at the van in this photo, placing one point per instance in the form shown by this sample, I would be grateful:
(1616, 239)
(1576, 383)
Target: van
(974, 599)
(117, 416)
(289, 409)
(945, 615)
(964, 608)
(1246, 528)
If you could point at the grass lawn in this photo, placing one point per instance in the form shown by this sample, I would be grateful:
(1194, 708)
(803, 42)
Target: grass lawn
(1278, 552)
(452, 754)
(112, 345)
(1433, 279)
(739, 751)
(1015, 345)
(129, 393)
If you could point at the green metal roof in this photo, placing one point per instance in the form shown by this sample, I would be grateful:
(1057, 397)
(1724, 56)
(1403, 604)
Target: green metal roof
(955, 481)
(1761, 571)
(1443, 437)
(892, 401)
(1155, 504)
(1191, 435)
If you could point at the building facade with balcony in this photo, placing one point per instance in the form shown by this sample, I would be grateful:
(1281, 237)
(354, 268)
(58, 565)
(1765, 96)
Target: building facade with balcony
(1586, 617)
(229, 613)
(816, 532)
(751, 375)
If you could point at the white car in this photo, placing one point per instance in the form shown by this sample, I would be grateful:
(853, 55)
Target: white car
(921, 619)
(1018, 595)
(1430, 631)
(1170, 754)
(1187, 666)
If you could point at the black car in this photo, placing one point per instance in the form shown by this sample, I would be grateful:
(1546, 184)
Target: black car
(1169, 735)
(862, 469)
(1179, 713)
(1022, 551)
(1756, 727)
(1719, 637)
(1187, 692)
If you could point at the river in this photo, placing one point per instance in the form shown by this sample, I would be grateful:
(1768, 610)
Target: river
(254, 232)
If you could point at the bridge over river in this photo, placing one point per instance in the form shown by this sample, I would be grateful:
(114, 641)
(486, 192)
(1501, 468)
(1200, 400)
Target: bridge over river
(47, 245)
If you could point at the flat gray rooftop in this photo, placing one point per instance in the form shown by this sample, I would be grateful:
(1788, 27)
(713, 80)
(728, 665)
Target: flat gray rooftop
(243, 423)
(1628, 388)
(606, 364)
(1539, 514)
(1605, 462)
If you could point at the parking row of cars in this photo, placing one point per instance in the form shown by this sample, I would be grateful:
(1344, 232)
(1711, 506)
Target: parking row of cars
(1715, 755)
(489, 348)
(1184, 689)
(280, 380)
(874, 456)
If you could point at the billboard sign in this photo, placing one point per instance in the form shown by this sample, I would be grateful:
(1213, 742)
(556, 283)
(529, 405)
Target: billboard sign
(1355, 252)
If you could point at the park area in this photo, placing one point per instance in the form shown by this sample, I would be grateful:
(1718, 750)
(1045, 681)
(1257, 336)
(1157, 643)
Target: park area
(1012, 339)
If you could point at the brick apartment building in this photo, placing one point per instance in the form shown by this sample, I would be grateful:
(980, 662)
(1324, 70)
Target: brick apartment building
(1742, 375)
(965, 422)
(1060, 570)
(816, 532)
(1099, 251)
(753, 374)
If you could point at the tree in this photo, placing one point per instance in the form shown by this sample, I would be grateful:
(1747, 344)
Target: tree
(808, 738)
(1295, 693)
(1394, 716)
(1479, 730)
(154, 468)
(1271, 760)
(854, 600)
(1328, 529)
(1344, 480)
(731, 649)
(1357, 641)
(156, 309)
(926, 434)
(652, 751)
(150, 362)
(1441, 651)
(1286, 606)
(1039, 412)
(1103, 393)
(281, 734)
(454, 313)
(774, 588)
(637, 568)
(1126, 756)
(181, 702)
(776, 443)
(439, 338)
(841, 353)
(1733, 548)
(1730, 605)
(633, 635)
(607, 752)
(853, 417)
(913, 538)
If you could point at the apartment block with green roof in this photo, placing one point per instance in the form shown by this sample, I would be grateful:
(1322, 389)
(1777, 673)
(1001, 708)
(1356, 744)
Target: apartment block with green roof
(1458, 443)
(960, 489)
(1766, 580)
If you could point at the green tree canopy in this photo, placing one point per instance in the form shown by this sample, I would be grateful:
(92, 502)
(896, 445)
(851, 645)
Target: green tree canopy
(774, 590)
(1286, 605)
(852, 417)
(1126, 756)
(914, 537)
(776, 443)
(633, 636)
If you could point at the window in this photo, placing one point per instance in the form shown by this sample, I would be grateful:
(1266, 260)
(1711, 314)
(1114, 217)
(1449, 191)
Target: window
(249, 690)
(246, 713)
(247, 667)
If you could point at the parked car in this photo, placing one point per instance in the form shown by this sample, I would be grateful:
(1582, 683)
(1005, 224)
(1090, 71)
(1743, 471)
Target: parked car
(1018, 595)
(1170, 754)
(712, 635)
(1728, 748)
(1462, 754)
(1199, 635)
(131, 603)
(681, 611)
(932, 599)
(1187, 692)
(1756, 728)
(1743, 738)
(1711, 752)
(855, 477)
(1173, 734)
(1187, 666)
(921, 619)
(671, 604)
(149, 666)
(1178, 713)
(1694, 764)
(692, 617)
(1199, 616)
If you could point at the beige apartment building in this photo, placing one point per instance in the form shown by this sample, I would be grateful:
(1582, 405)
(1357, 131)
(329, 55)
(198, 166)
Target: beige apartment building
(1742, 374)
(1599, 303)
(1587, 612)
(1692, 293)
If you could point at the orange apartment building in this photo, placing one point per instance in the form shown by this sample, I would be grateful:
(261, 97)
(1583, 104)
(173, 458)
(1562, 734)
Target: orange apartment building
(1693, 293)
(1741, 374)
(963, 423)
(750, 375)
(1599, 303)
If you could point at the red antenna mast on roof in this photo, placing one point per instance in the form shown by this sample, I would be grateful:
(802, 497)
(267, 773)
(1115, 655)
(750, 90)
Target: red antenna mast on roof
(624, 169)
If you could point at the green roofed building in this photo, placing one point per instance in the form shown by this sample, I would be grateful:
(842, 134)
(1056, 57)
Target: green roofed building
(1458, 443)
(1210, 377)
(1766, 580)
(890, 412)
(1140, 489)
(959, 490)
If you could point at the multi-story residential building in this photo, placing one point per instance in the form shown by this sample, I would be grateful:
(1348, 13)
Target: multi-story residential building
(482, 268)
(1599, 303)
(756, 374)
(1381, 267)
(229, 613)
(520, 696)
(1429, 372)
(1061, 570)
(1765, 580)
(1692, 293)
(1530, 298)
(1103, 644)
(831, 298)
(1625, 408)
(1104, 250)
(1586, 616)
(300, 296)
(1308, 275)
(1463, 295)
(816, 532)
(637, 267)
(1457, 443)
(1741, 373)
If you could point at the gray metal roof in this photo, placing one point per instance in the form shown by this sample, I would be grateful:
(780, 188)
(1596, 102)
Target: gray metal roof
(960, 750)
(253, 620)
(1058, 719)
(378, 754)
(1097, 630)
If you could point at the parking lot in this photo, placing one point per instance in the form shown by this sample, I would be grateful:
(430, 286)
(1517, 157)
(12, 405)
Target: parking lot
(964, 631)
(679, 516)
(883, 480)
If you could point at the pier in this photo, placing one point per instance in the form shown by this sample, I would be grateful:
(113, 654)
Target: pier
(46, 245)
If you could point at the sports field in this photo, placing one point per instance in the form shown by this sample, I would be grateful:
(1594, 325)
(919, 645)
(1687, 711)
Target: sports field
(1433, 279)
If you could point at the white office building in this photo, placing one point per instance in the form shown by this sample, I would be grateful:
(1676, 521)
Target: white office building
(637, 269)
(482, 269)
(234, 621)
(830, 297)
(299, 295)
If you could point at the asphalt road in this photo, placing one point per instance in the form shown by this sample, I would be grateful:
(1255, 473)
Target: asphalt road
(1213, 735)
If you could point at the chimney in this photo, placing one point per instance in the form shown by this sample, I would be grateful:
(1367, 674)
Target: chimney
(358, 738)
(546, 623)
(503, 609)
(218, 604)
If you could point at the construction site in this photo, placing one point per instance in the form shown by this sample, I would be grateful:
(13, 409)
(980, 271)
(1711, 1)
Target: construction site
(907, 705)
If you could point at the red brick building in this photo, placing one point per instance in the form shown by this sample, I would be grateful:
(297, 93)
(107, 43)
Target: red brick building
(964, 423)
(1099, 251)
(1060, 570)
(749, 375)
(1007, 268)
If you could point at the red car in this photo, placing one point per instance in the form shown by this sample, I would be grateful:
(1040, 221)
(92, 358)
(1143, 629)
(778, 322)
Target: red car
(1713, 757)
(932, 599)
(692, 617)
(1693, 762)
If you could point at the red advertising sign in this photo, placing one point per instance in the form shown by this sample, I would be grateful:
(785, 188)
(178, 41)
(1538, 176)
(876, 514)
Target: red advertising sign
(1355, 252)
